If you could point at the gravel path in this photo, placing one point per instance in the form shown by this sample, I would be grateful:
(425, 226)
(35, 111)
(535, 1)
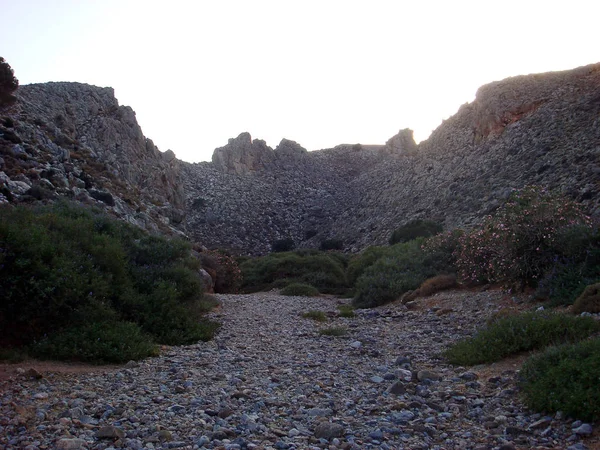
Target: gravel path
(270, 380)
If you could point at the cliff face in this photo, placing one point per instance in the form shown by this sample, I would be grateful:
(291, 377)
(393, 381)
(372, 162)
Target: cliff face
(74, 140)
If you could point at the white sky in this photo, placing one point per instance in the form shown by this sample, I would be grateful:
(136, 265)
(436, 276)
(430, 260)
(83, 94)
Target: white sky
(320, 72)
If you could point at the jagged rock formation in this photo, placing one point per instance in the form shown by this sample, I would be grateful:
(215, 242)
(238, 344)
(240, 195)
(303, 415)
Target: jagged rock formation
(74, 140)
(535, 129)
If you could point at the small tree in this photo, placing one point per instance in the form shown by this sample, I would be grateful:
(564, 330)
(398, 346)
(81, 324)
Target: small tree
(8, 85)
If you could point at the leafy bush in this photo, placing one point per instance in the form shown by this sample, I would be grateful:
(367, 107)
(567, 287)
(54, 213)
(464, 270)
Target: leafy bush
(332, 244)
(415, 229)
(523, 240)
(333, 331)
(283, 245)
(8, 84)
(403, 269)
(65, 269)
(519, 333)
(300, 289)
(318, 316)
(589, 301)
(97, 342)
(564, 379)
(361, 262)
(321, 270)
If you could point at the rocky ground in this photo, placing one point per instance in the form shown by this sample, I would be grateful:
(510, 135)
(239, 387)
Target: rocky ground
(270, 380)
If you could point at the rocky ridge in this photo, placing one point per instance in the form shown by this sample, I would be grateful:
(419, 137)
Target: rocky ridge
(537, 129)
(270, 380)
(74, 140)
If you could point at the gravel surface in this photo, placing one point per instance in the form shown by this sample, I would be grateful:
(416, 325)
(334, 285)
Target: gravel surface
(270, 380)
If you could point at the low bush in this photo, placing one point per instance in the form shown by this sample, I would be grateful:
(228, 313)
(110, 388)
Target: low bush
(322, 270)
(318, 316)
(415, 229)
(436, 284)
(300, 289)
(283, 245)
(589, 300)
(346, 311)
(66, 270)
(332, 244)
(333, 331)
(225, 270)
(359, 263)
(564, 379)
(524, 332)
(403, 268)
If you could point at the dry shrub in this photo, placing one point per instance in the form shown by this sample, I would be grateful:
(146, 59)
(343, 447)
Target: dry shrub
(437, 284)
(589, 300)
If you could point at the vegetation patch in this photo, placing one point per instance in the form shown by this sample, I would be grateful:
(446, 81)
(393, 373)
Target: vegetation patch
(300, 289)
(346, 311)
(333, 331)
(564, 379)
(589, 300)
(324, 271)
(318, 316)
(403, 268)
(415, 229)
(76, 284)
(519, 333)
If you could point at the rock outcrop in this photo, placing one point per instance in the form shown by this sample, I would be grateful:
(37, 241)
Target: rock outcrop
(74, 140)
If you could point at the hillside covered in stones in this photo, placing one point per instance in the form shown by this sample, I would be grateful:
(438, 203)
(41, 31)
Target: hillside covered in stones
(74, 140)
(536, 129)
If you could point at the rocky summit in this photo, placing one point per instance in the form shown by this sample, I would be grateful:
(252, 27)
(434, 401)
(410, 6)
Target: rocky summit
(74, 140)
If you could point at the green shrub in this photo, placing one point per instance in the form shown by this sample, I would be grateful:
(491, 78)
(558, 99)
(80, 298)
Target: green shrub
(98, 342)
(358, 264)
(225, 269)
(519, 333)
(66, 269)
(321, 270)
(283, 245)
(333, 331)
(589, 300)
(403, 269)
(346, 311)
(564, 379)
(415, 229)
(332, 244)
(524, 239)
(8, 84)
(436, 284)
(300, 289)
(318, 316)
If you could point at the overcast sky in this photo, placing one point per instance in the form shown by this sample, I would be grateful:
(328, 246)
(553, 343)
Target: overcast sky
(320, 72)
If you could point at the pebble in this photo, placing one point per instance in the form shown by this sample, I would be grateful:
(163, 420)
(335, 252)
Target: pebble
(269, 380)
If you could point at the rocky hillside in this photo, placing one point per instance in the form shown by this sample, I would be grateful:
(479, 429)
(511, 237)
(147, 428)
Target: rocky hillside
(74, 140)
(535, 129)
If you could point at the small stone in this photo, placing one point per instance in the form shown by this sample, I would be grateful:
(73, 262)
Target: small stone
(71, 444)
(225, 412)
(328, 430)
(110, 432)
(376, 379)
(356, 344)
(404, 374)
(165, 435)
(469, 376)
(293, 432)
(427, 375)
(397, 388)
(542, 423)
(584, 429)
